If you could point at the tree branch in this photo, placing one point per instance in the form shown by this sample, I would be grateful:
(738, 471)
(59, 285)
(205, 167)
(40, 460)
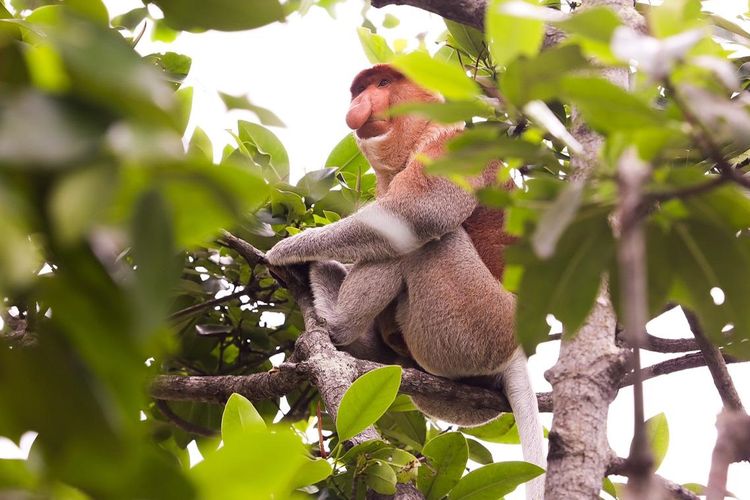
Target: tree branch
(716, 365)
(692, 360)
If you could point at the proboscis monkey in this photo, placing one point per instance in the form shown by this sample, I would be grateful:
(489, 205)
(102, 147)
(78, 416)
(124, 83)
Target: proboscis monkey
(425, 243)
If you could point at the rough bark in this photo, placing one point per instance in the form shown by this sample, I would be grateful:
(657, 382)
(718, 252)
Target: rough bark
(584, 383)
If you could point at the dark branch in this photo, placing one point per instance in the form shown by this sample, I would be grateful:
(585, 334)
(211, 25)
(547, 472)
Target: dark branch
(658, 344)
(692, 360)
(468, 12)
(181, 422)
(217, 389)
(716, 365)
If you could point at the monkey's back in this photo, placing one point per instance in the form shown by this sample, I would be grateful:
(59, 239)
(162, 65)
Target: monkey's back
(457, 319)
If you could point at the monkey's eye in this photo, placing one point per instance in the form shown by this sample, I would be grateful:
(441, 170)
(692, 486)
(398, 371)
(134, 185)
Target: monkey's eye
(384, 82)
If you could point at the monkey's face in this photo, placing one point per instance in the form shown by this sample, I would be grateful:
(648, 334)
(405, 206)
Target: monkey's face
(375, 90)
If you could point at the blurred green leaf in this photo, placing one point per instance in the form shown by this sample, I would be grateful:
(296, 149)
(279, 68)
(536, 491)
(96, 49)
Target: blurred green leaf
(469, 39)
(608, 107)
(445, 112)
(375, 47)
(223, 15)
(565, 284)
(510, 36)
(266, 117)
(657, 429)
(131, 19)
(707, 256)
(366, 400)
(539, 78)
(439, 76)
(239, 417)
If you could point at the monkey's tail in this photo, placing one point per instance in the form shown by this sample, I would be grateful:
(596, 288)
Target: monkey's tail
(522, 399)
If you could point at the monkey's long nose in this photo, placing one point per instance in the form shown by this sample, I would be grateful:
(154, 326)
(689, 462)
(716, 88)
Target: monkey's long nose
(359, 112)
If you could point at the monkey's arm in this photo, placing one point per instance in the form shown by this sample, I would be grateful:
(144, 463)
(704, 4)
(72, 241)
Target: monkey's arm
(415, 210)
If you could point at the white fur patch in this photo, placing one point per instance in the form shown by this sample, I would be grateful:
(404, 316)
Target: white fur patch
(391, 227)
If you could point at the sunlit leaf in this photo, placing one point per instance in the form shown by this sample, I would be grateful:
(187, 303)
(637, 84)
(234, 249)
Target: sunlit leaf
(436, 75)
(366, 400)
(493, 481)
(239, 417)
(447, 455)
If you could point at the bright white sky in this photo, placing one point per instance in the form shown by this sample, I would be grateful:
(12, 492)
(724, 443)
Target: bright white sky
(301, 70)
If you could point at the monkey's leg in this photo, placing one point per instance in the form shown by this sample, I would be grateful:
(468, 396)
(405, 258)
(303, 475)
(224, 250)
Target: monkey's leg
(367, 290)
(326, 279)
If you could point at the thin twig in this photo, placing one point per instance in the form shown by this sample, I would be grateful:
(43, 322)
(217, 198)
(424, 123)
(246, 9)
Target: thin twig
(207, 305)
(632, 175)
(686, 362)
(180, 422)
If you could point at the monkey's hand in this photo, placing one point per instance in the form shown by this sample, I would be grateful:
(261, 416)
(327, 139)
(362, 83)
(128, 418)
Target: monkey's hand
(295, 249)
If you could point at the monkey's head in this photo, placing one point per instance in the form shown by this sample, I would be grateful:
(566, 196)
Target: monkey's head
(376, 89)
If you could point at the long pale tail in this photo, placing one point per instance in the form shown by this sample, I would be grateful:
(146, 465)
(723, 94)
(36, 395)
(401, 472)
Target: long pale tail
(522, 399)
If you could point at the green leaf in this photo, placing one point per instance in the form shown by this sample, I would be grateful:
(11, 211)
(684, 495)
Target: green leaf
(405, 427)
(266, 116)
(539, 78)
(708, 256)
(609, 487)
(657, 429)
(79, 200)
(311, 472)
(200, 145)
(239, 417)
(154, 254)
(493, 481)
(381, 478)
(347, 157)
(500, 430)
(367, 400)
(223, 15)
(566, 284)
(510, 36)
(608, 107)
(131, 19)
(479, 453)
(438, 76)
(390, 21)
(445, 112)
(375, 47)
(317, 184)
(259, 464)
(597, 23)
(675, 16)
(447, 455)
(556, 219)
(266, 149)
(469, 39)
